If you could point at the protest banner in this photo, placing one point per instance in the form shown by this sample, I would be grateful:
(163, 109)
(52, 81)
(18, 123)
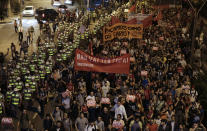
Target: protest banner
(105, 101)
(86, 62)
(145, 19)
(66, 93)
(155, 48)
(117, 124)
(144, 73)
(123, 52)
(7, 123)
(123, 31)
(130, 98)
(91, 103)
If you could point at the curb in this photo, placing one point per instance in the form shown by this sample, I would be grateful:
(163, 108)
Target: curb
(8, 20)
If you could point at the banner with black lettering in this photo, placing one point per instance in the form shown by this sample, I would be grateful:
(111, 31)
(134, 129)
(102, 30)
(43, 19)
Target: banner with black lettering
(123, 31)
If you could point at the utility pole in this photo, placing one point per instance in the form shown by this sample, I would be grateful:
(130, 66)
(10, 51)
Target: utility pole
(196, 14)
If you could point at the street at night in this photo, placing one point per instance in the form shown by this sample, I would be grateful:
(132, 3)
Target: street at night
(103, 65)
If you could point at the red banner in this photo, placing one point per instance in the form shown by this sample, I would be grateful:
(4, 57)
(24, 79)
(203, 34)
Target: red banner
(86, 62)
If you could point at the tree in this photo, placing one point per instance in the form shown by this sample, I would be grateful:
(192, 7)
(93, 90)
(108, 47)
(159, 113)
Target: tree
(15, 6)
(3, 8)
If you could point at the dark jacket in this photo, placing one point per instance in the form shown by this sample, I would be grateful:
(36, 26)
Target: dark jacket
(47, 124)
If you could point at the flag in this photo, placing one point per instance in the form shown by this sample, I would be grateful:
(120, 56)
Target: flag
(114, 20)
(90, 48)
(132, 9)
(159, 16)
(147, 21)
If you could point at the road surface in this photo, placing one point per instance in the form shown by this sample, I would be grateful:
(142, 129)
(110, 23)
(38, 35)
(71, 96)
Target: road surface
(8, 35)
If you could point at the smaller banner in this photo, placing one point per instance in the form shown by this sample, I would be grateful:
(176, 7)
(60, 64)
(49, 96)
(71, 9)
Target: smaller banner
(155, 48)
(123, 31)
(105, 101)
(7, 123)
(117, 124)
(131, 98)
(91, 103)
(144, 73)
(161, 38)
(123, 52)
(86, 62)
(66, 93)
(145, 19)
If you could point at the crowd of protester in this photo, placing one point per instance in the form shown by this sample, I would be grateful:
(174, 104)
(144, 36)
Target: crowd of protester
(162, 98)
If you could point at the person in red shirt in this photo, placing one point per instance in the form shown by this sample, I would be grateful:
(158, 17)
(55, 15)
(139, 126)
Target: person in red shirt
(147, 93)
(152, 126)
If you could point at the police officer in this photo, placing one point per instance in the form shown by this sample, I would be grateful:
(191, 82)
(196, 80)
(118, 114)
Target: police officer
(8, 95)
(33, 85)
(15, 103)
(1, 96)
(59, 58)
(2, 109)
(27, 96)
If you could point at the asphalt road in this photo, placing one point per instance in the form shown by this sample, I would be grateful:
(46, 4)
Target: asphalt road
(8, 35)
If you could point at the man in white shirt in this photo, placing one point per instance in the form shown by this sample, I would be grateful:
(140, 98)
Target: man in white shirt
(120, 109)
(82, 83)
(105, 88)
(90, 97)
(66, 103)
(20, 29)
(193, 94)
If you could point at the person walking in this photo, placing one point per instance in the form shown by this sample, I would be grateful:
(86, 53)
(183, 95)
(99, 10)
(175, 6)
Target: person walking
(13, 50)
(15, 103)
(20, 33)
(15, 26)
(31, 33)
(24, 121)
(54, 26)
(23, 47)
(28, 37)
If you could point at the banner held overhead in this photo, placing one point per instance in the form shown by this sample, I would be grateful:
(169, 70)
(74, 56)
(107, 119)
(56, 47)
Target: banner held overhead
(86, 62)
(123, 31)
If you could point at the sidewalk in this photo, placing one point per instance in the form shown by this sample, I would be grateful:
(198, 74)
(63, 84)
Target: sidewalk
(8, 20)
